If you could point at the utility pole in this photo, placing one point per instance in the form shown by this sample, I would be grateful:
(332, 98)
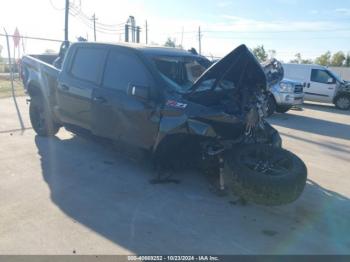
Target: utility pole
(94, 20)
(199, 40)
(182, 36)
(66, 21)
(146, 33)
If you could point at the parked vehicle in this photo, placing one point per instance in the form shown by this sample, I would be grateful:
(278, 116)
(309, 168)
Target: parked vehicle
(320, 84)
(175, 105)
(284, 95)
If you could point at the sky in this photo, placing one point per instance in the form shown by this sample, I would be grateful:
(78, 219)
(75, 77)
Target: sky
(286, 26)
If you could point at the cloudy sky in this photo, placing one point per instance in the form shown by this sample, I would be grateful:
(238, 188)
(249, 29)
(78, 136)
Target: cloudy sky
(287, 26)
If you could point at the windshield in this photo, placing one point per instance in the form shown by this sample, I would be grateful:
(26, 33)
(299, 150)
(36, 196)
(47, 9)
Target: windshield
(181, 72)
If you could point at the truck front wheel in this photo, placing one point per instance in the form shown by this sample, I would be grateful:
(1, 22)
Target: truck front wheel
(283, 109)
(41, 119)
(265, 175)
(342, 102)
(271, 105)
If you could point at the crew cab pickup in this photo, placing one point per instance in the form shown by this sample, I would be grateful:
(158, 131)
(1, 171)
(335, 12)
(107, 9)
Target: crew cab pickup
(173, 104)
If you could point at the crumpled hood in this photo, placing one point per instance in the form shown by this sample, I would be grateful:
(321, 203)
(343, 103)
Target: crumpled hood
(345, 86)
(235, 66)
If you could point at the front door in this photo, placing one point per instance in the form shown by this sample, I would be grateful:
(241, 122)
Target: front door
(322, 86)
(116, 114)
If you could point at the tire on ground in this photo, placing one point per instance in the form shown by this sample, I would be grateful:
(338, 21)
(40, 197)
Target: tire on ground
(283, 109)
(259, 187)
(41, 119)
(342, 102)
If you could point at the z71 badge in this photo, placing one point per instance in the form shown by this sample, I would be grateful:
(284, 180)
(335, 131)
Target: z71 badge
(176, 104)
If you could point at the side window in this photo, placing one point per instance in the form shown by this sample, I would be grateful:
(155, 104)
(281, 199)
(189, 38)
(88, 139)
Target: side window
(124, 68)
(88, 63)
(320, 76)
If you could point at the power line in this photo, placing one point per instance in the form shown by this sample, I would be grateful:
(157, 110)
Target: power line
(54, 7)
(107, 27)
(34, 38)
(263, 32)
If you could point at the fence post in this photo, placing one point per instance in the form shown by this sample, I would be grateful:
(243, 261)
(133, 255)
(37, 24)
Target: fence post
(12, 78)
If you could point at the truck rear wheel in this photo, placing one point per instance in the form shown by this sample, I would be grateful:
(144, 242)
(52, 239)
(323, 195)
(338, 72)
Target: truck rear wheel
(265, 175)
(342, 102)
(41, 119)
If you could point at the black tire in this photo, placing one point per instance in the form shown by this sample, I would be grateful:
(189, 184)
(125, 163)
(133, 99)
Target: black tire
(283, 109)
(41, 119)
(342, 102)
(271, 106)
(279, 184)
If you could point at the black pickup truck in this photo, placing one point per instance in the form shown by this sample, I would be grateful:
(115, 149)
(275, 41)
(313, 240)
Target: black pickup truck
(174, 104)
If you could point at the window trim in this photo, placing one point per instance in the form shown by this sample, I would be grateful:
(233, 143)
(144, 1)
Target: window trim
(100, 70)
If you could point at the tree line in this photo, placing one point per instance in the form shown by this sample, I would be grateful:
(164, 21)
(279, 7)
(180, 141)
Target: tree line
(327, 59)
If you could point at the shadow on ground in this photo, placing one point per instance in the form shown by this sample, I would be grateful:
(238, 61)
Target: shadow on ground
(312, 125)
(111, 195)
(326, 108)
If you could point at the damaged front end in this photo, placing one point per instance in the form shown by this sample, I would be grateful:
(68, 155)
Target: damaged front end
(224, 107)
(218, 126)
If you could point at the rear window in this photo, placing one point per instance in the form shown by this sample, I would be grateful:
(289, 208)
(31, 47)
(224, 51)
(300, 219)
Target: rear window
(88, 63)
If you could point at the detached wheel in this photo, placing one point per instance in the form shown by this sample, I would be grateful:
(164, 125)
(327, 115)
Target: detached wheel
(271, 105)
(283, 109)
(41, 118)
(265, 175)
(342, 102)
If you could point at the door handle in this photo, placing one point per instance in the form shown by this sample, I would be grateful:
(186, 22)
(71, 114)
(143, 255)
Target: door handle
(65, 88)
(99, 100)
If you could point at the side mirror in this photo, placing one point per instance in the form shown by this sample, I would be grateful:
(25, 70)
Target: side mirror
(141, 92)
(330, 81)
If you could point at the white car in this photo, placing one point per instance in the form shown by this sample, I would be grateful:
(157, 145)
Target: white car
(320, 84)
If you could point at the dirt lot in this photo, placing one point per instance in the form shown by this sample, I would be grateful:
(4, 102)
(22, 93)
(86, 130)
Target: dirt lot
(6, 88)
(69, 195)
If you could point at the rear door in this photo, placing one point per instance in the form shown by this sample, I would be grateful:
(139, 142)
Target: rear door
(322, 86)
(116, 114)
(76, 85)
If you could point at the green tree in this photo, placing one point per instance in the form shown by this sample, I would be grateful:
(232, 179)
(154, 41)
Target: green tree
(260, 53)
(299, 60)
(324, 59)
(347, 60)
(170, 42)
(338, 59)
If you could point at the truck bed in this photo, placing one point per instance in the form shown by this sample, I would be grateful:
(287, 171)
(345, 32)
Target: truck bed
(39, 73)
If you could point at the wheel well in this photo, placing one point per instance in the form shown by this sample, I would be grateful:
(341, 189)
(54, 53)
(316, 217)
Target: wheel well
(270, 94)
(34, 90)
(174, 150)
